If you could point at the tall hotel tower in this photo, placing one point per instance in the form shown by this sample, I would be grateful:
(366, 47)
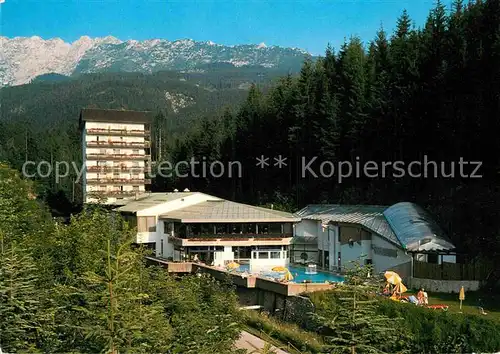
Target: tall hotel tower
(116, 150)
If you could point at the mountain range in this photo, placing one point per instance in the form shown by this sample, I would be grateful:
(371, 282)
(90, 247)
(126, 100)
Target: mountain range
(22, 59)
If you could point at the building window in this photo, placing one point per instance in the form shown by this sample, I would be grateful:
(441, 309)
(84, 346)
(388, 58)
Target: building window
(275, 228)
(263, 228)
(116, 151)
(167, 227)
(275, 255)
(146, 224)
(263, 255)
(135, 152)
(432, 258)
(161, 249)
(135, 188)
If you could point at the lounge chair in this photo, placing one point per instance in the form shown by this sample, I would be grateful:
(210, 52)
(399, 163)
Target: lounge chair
(437, 307)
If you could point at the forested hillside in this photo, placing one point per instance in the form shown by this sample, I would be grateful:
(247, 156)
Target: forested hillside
(429, 92)
(82, 288)
(39, 121)
(415, 93)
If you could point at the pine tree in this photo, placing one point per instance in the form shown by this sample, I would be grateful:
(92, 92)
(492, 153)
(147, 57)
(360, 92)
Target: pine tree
(20, 308)
(355, 325)
(112, 309)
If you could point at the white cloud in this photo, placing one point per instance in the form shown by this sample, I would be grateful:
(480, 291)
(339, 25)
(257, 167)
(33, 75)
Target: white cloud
(2, 1)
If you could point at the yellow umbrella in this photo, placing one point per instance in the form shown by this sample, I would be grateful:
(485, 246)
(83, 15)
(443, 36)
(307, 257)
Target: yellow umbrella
(461, 296)
(392, 277)
(279, 269)
(288, 276)
(400, 288)
(232, 265)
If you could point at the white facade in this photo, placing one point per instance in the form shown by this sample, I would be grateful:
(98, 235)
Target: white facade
(115, 160)
(336, 252)
(157, 210)
(265, 254)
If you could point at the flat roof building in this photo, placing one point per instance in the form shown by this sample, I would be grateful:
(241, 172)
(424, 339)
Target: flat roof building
(181, 224)
(116, 150)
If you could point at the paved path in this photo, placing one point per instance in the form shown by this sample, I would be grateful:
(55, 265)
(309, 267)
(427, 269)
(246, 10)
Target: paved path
(253, 343)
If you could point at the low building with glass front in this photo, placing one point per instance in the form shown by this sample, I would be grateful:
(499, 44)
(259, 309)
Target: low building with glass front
(187, 225)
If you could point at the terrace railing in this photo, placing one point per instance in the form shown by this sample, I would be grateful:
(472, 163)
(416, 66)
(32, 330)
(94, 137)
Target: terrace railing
(118, 168)
(108, 157)
(230, 236)
(126, 144)
(117, 132)
(119, 181)
(118, 193)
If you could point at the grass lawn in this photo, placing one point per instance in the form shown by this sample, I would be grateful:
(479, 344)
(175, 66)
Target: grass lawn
(490, 303)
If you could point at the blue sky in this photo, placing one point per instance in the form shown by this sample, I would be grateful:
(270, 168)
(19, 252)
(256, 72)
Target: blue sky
(308, 24)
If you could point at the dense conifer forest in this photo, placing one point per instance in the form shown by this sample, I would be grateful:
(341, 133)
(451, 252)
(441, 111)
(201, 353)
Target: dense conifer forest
(430, 92)
(410, 94)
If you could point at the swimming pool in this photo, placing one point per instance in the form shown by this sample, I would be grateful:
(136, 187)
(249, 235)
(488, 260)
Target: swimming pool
(299, 274)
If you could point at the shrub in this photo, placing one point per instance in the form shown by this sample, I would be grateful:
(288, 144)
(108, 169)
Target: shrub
(442, 332)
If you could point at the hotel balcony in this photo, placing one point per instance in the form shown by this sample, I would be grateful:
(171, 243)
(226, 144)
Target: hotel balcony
(119, 181)
(137, 169)
(117, 132)
(111, 157)
(121, 144)
(261, 240)
(117, 193)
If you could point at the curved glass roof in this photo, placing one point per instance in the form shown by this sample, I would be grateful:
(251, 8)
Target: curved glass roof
(405, 224)
(415, 228)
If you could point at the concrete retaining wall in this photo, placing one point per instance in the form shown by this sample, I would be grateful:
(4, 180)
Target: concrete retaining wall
(444, 286)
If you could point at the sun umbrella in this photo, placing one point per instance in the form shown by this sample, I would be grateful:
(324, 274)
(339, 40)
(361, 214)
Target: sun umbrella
(461, 296)
(279, 269)
(392, 277)
(400, 288)
(232, 265)
(288, 276)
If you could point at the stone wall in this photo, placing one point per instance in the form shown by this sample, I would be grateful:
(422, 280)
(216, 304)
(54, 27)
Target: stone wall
(297, 310)
(444, 286)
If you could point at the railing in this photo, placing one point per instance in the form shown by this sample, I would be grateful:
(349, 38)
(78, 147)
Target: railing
(118, 181)
(130, 144)
(97, 194)
(108, 157)
(102, 131)
(118, 168)
(236, 235)
(186, 241)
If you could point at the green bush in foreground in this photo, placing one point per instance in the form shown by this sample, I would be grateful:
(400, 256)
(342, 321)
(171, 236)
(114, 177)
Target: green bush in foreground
(442, 332)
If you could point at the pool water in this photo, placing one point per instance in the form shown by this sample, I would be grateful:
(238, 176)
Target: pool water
(299, 274)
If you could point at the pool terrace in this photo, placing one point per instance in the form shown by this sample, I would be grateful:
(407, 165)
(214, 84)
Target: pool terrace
(263, 281)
